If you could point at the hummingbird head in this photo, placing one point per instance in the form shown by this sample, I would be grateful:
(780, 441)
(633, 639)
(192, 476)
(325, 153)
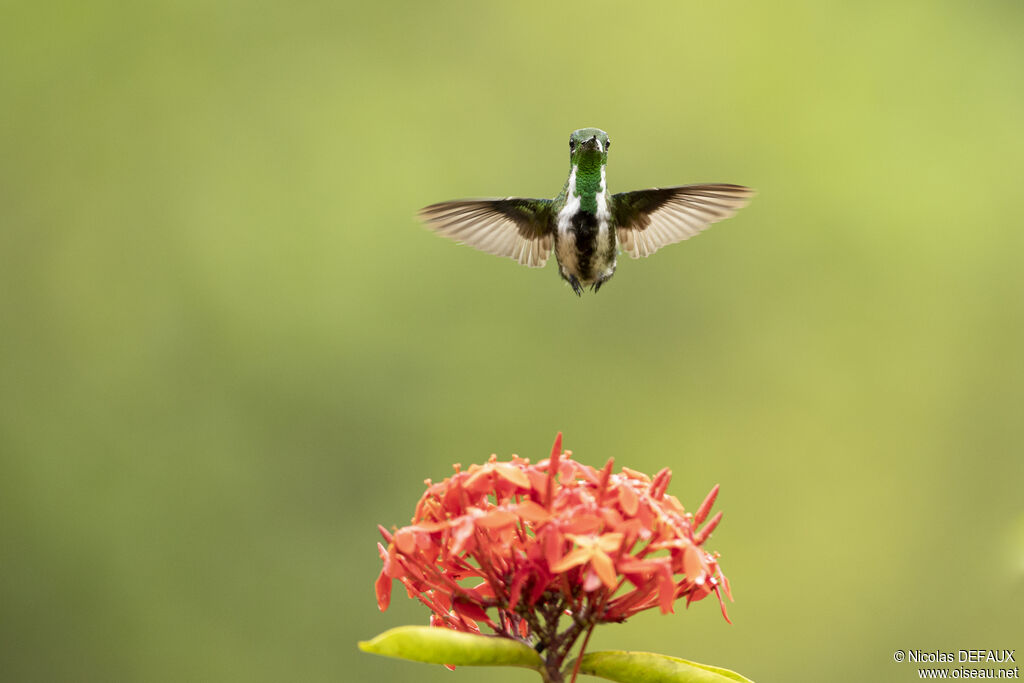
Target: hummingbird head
(588, 145)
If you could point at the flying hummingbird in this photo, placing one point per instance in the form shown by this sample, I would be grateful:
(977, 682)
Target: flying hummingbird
(585, 224)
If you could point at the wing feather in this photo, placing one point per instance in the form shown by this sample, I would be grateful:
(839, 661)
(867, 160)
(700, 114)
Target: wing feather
(648, 220)
(520, 229)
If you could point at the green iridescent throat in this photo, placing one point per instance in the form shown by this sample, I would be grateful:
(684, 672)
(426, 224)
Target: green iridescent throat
(588, 179)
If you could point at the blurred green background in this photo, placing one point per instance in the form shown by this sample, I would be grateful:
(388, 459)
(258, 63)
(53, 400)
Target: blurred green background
(229, 351)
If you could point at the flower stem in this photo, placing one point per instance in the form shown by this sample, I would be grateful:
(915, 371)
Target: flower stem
(583, 648)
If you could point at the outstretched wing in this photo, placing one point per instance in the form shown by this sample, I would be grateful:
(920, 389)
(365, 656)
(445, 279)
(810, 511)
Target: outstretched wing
(647, 220)
(518, 228)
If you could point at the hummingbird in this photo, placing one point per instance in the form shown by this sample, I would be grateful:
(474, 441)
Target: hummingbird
(585, 224)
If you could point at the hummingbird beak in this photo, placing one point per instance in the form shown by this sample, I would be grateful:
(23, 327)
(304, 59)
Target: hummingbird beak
(594, 143)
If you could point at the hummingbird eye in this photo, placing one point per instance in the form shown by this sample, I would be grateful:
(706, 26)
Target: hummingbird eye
(572, 144)
(607, 144)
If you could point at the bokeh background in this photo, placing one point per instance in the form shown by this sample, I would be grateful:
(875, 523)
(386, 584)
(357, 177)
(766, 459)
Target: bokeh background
(228, 350)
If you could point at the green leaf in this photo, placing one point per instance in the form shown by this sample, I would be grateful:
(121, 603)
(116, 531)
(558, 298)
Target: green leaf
(444, 646)
(648, 667)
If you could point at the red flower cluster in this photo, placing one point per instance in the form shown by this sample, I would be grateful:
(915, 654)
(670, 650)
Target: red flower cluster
(534, 542)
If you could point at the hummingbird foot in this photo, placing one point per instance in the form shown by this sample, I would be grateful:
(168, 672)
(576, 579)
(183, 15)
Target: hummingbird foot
(576, 286)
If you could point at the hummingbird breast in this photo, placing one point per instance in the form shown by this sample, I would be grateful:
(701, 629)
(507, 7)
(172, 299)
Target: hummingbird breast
(584, 236)
(585, 247)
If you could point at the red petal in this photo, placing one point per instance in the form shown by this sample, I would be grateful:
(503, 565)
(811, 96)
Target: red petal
(639, 476)
(393, 565)
(566, 469)
(442, 602)
(606, 472)
(405, 540)
(591, 581)
(511, 473)
(462, 535)
(516, 589)
(538, 482)
(574, 558)
(705, 507)
(496, 519)
(532, 512)
(383, 589)
(612, 518)
(610, 542)
(633, 565)
(666, 589)
(699, 593)
(693, 564)
(632, 528)
(722, 604)
(703, 534)
(661, 480)
(537, 591)
(424, 541)
(470, 610)
(628, 499)
(587, 474)
(556, 449)
(673, 504)
(553, 541)
(646, 516)
(480, 592)
(479, 481)
(604, 567)
(583, 524)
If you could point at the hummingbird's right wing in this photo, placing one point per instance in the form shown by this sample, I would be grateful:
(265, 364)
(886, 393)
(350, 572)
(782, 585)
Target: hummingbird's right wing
(518, 228)
(648, 220)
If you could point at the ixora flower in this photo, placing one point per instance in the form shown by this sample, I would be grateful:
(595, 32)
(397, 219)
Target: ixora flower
(518, 546)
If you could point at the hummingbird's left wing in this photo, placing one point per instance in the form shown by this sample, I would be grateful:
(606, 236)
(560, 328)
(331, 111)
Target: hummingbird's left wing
(515, 227)
(648, 220)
